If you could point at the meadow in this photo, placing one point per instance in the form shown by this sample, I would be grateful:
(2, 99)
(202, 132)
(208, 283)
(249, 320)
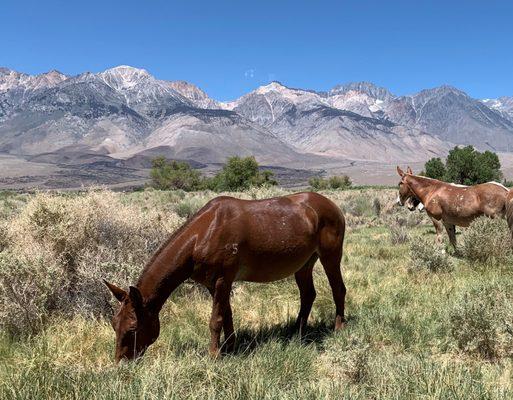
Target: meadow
(423, 321)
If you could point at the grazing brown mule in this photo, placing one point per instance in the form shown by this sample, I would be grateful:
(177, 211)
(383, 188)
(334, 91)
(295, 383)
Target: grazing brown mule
(235, 240)
(454, 205)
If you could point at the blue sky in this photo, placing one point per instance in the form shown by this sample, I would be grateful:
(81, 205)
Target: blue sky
(231, 47)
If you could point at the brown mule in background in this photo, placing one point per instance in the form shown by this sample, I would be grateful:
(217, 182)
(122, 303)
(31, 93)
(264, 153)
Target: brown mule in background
(453, 205)
(235, 240)
(412, 203)
(509, 210)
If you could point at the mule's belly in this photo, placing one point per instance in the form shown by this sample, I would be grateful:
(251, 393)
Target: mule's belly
(271, 268)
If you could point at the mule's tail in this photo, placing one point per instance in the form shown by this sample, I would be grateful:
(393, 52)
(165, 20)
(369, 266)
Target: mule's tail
(509, 210)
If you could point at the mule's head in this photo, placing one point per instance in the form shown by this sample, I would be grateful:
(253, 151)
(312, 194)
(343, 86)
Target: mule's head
(406, 196)
(136, 327)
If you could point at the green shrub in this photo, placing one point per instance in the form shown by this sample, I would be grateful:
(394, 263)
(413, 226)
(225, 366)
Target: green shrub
(240, 174)
(481, 321)
(167, 175)
(187, 208)
(430, 256)
(465, 165)
(435, 168)
(487, 240)
(358, 206)
(334, 182)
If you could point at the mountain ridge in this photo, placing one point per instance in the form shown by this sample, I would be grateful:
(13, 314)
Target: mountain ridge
(124, 110)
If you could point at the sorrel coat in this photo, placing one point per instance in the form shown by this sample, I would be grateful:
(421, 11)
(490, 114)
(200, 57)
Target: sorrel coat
(454, 205)
(235, 240)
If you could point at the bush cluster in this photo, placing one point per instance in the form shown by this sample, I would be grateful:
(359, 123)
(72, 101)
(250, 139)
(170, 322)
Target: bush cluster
(427, 255)
(481, 321)
(465, 165)
(59, 248)
(334, 182)
(487, 240)
(236, 175)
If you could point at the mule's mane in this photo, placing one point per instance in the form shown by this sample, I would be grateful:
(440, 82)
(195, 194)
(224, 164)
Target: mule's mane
(170, 239)
(456, 184)
(499, 184)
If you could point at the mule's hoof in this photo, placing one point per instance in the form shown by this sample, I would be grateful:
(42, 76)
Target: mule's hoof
(215, 353)
(340, 325)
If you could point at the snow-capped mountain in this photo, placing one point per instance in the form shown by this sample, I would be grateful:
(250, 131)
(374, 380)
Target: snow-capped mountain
(452, 115)
(503, 104)
(125, 110)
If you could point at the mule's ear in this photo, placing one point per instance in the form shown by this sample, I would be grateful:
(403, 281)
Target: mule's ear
(409, 171)
(118, 293)
(135, 298)
(400, 171)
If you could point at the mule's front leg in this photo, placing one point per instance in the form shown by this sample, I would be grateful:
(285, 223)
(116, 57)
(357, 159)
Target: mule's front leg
(221, 303)
(229, 332)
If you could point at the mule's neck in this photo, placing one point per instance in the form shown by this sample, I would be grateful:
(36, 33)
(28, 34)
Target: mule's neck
(170, 266)
(422, 186)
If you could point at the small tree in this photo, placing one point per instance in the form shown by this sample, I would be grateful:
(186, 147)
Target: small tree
(174, 175)
(241, 173)
(461, 165)
(465, 165)
(435, 168)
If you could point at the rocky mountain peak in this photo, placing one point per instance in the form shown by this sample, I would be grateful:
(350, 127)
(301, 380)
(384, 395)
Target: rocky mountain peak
(124, 77)
(368, 88)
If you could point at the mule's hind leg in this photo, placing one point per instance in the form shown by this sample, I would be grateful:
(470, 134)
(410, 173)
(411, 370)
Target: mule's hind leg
(330, 259)
(439, 227)
(451, 231)
(307, 293)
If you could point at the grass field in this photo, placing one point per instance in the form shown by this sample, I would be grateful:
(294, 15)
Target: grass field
(411, 332)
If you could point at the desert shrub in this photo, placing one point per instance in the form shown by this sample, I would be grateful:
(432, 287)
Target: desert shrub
(265, 192)
(167, 175)
(30, 289)
(77, 241)
(355, 360)
(481, 321)
(358, 206)
(487, 240)
(240, 173)
(398, 234)
(334, 182)
(188, 207)
(430, 256)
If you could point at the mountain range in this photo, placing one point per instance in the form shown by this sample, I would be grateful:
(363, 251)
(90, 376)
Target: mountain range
(125, 111)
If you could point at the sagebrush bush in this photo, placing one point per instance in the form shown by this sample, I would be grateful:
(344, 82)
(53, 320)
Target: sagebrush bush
(188, 207)
(354, 360)
(481, 321)
(427, 255)
(398, 234)
(487, 240)
(359, 206)
(76, 241)
(30, 289)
